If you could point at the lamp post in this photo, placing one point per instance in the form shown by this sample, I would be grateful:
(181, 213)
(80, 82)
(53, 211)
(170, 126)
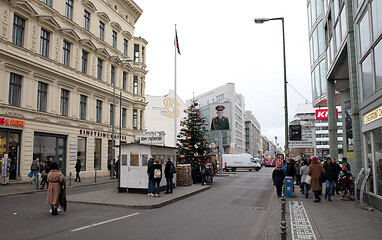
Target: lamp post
(112, 125)
(262, 20)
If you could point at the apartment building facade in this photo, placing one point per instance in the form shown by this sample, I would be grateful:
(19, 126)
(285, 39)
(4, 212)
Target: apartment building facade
(59, 64)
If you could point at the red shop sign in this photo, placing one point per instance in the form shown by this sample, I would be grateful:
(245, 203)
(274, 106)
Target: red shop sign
(323, 114)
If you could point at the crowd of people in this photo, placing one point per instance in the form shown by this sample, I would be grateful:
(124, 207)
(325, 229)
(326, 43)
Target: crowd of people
(313, 173)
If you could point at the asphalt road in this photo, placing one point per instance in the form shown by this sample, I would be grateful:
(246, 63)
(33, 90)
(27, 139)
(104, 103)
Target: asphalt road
(234, 208)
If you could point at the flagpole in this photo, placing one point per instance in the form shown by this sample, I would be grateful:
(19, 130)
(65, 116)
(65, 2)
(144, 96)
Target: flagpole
(175, 113)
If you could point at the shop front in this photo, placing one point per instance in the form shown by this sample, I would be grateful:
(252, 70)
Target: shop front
(10, 145)
(372, 133)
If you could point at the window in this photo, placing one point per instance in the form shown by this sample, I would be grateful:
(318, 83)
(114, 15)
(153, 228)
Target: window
(141, 86)
(97, 153)
(14, 89)
(114, 37)
(125, 45)
(135, 118)
(44, 43)
(376, 8)
(42, 96)
(81, 152)
(64, 102)
(83, 100)
(135, 85)
(84, 61)
(367, 78)
(69, 9)
(111, 114)
(99, 69)
(99, 111)
(66, 53)
(124, 117)
(102, 30)
(141, 119)
(136, 53)
(364, 32)
(124, 77)
(48, 2)
(378, 65)
(112, 75)
(86, 20)
(18, 31)
(143, 54)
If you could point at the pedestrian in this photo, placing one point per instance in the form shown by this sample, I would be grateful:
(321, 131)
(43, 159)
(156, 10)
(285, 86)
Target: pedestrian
(116, 167)
(304, 183)
(330, 177)
(35, 167)
(169, 174)
(150, 170)
(55, 178)
(157, 177)
(278, 176)
(78, 170)
(345, 180)
(338, 170)
(209, 174)
(44, 174)
(297, 172)
(315, 170)
(203, 172)
(290, 170)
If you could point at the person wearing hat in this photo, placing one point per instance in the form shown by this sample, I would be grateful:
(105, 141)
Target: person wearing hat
(315, 170)
(220, 122)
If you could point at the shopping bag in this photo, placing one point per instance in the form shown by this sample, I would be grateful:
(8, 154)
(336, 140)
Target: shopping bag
(308, 179)
(30, 174)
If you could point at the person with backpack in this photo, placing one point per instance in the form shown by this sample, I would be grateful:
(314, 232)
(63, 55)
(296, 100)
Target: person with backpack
(35, 167)
(156, 177)
(169, 171)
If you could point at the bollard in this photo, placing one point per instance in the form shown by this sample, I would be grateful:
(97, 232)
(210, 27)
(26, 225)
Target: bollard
(283, 225)
(70, 179)
(95, 176)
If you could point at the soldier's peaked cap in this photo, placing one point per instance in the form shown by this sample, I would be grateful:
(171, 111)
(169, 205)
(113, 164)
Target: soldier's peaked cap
(220, 108)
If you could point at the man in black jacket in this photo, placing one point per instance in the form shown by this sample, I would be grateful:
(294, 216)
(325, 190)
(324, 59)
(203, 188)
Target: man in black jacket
(330, 177)
(169, 175)
(290, 170)
(150, 169)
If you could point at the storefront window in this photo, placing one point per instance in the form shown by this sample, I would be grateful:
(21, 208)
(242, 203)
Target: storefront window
(46, 146)
(378, 159)
(369, 159)
(97, 153)
(81, 152)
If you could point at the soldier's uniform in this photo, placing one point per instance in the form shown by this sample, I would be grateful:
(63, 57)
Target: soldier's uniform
(220, 123)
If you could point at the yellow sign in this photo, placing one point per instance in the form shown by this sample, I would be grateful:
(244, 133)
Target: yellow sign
(169, 108)
(373, 115)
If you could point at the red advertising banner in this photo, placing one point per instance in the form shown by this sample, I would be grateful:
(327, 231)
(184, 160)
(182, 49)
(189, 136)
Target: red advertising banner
(323, 114)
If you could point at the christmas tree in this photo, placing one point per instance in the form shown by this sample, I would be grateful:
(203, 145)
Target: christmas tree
(192, 145)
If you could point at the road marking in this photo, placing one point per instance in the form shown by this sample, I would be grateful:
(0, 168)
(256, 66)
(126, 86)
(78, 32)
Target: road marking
(300, 224)
(104, 222)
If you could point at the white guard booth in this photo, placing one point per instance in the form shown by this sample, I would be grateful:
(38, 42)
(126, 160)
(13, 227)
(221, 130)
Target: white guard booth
(134, 164)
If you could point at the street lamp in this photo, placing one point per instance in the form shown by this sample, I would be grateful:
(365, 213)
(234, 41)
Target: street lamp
(260, 21)
(112, 126)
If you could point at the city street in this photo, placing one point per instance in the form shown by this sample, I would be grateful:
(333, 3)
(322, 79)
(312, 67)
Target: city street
(234, 208)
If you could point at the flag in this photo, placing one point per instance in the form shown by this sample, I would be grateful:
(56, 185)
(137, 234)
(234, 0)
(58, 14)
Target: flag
(176, 43)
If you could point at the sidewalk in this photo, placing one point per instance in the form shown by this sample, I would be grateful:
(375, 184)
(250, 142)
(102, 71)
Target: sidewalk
(327, 220)
(15, 188)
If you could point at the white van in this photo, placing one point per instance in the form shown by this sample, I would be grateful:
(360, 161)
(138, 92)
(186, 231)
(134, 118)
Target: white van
(243, 160)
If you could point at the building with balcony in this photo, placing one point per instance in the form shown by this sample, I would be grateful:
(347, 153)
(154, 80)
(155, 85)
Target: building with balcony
(60, 61)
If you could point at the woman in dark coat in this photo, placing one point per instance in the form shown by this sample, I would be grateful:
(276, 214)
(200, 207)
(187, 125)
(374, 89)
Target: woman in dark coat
(156, 178)
(169, 175)
(315, 171)
(55, 178)
(78, 170)
(278, 176)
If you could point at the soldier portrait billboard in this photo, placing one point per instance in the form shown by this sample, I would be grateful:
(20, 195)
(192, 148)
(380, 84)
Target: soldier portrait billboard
(220, 116)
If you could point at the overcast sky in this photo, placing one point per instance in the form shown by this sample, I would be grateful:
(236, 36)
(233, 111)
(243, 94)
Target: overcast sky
(220, 43)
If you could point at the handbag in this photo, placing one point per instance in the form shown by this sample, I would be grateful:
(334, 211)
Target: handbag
(308, 179)
(30, 174)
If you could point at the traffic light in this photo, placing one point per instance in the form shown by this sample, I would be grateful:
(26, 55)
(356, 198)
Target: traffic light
(295, 132)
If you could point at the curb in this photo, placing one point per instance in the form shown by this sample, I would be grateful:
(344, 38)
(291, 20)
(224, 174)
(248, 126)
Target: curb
(44, 190)
(152, 206)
